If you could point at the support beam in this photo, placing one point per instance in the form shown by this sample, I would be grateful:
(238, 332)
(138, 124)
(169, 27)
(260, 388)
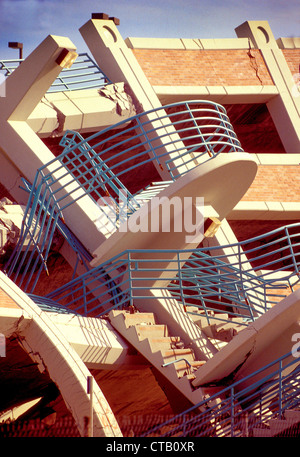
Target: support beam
(21, 149)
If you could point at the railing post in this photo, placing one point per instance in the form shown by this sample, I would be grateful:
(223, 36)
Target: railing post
(292, 252)
(129, 279)
(90, 393)
(245, 424)
(280, 389)
(184, 425)
(180, 281)
(232, 412)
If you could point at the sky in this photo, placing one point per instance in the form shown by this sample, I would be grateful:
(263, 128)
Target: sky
(31, 21)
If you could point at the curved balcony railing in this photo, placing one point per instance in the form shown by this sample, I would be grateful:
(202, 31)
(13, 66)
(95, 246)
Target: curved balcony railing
(84, 74)
(188, 133)
(245, 284)
(112, 166)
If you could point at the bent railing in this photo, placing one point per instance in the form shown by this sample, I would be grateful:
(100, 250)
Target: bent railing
(84, 74)
(110, 168)
(208, 284)
(248, 278)
(192, 132)
(241, 410)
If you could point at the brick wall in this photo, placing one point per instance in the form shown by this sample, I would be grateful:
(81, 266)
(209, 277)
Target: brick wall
(168, 67)
(292, 56)
(246, 229)
(275, 183)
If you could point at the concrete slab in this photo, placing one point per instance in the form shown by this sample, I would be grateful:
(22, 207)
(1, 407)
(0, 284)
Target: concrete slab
(213, 181)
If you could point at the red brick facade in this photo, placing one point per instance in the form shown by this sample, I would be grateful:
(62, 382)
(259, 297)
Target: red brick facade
(234, 67)
(204, 67)
(292, 56)
(277, 183)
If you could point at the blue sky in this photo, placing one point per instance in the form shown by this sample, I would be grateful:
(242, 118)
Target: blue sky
(30, 21)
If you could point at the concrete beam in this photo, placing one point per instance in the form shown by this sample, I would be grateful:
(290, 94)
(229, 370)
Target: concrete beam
(86, 110)
(264, 210)
(49, 348)
(217, 94)
(21, 147)
(96, 342)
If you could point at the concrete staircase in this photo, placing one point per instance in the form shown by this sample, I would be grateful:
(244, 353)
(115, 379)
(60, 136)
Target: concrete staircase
(220, 327)
(165, 352)
(279, 426)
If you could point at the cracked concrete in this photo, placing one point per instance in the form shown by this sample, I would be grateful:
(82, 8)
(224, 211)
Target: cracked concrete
(61, 118)
(122, 99)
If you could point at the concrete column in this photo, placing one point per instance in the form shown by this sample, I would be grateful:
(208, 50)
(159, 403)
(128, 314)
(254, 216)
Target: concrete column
(21, 150)
(285, 107)
(119, 64)
(117, 61)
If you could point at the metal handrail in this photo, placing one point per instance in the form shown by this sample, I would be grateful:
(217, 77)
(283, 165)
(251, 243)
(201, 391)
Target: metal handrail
(270, 391)
(84, 74)
(206, 285)
(100, 171)
(195, 131)
(257, 274)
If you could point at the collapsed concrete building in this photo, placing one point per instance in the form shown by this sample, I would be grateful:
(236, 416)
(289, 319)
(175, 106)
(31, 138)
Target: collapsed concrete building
(150, 202)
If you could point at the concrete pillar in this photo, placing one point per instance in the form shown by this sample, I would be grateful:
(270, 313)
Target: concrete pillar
(119, 64)
(117, 61)
(284, 108)
(22, 151)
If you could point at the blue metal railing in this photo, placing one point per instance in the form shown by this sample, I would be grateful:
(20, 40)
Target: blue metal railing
(193, 132)
(87, 169)
(208, 285)
(99, 167)
(254, 276)
(34, 244)
(49, 305)
(7, 66)
(269, 392)
(84, 74)
(97, 291)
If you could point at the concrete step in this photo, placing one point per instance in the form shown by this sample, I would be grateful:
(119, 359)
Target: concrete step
(292, 415)
(221, 333)
(187, 369)
(155, 343)
(217, 318)
(276, 426)
(139, 318)
(261, 432)
(279, 425)
(164, 342)
(218, 344)
(173, 354)
(151, 331)
(219, 327)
